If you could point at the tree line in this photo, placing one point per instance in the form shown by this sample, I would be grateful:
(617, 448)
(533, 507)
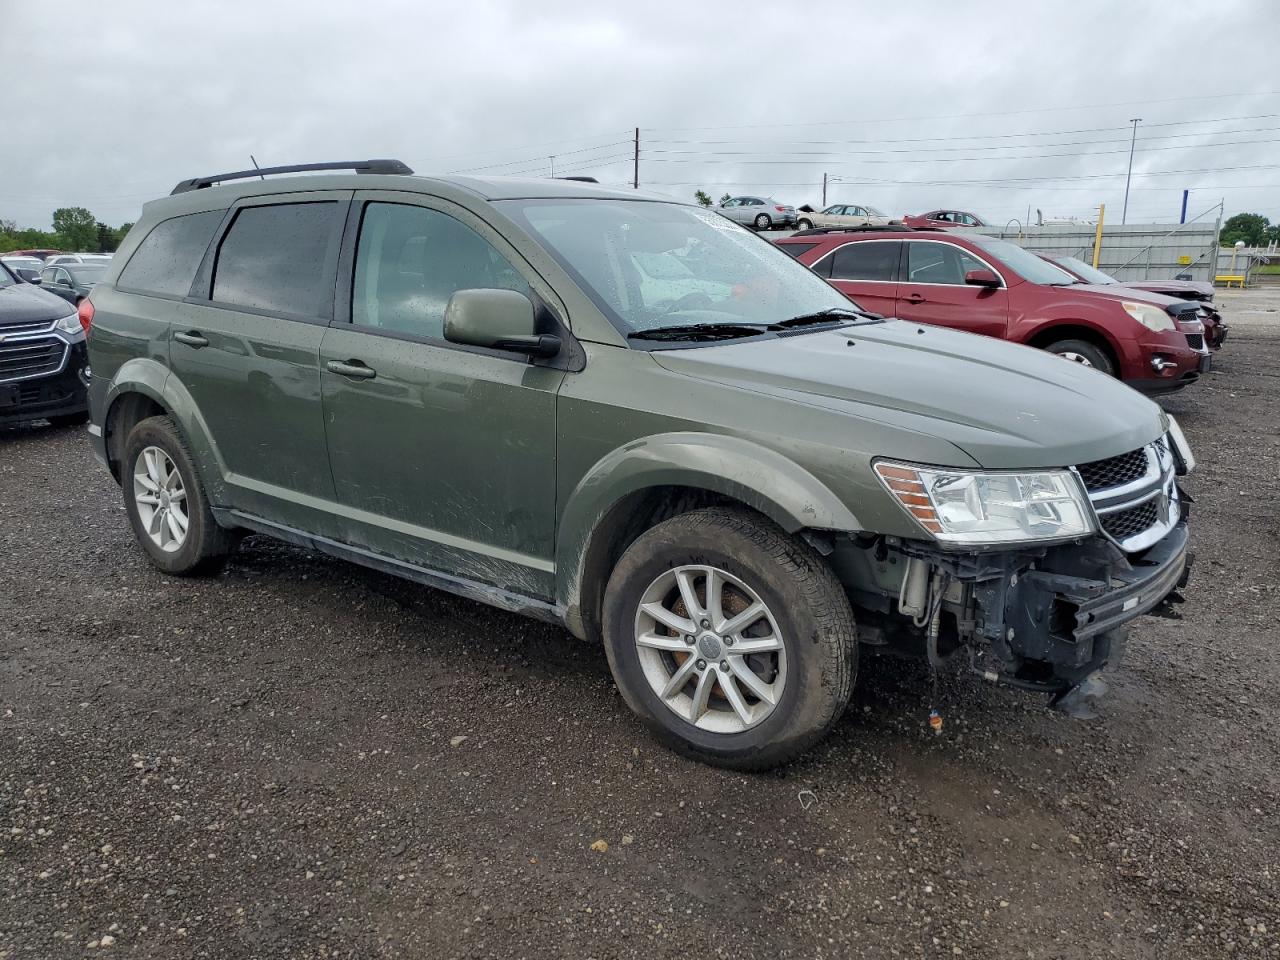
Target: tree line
(75, 230)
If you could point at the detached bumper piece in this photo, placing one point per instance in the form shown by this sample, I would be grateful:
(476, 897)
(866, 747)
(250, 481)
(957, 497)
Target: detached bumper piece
(1055, 628)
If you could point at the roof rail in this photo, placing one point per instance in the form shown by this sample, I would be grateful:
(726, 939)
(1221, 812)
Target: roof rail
(359, 166)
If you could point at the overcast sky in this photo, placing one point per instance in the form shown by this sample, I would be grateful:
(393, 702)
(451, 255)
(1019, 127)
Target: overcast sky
(110, 104)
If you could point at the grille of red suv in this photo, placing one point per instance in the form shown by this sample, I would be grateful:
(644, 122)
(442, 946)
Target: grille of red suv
(1114, 471)
(1128, 523)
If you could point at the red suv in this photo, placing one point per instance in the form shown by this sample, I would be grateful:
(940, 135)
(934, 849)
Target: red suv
(984, 285)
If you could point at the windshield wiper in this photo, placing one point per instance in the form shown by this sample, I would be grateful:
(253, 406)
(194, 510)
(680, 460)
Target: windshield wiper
(700, 331)
(831, 315)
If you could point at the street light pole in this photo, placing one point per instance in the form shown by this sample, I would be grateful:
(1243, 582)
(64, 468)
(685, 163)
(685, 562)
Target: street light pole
(1124, 214)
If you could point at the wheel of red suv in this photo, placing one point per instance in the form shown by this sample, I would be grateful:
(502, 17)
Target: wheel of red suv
(804, 224)
(1081, 351)
(166, 503)
(734, 642)
(763, 222)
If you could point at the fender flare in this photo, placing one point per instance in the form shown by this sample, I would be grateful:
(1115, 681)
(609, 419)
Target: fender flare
(1075, 321)
(754, 475)
(152, 379)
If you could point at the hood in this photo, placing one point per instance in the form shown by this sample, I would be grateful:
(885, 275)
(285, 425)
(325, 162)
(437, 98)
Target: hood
(1005, 405)
(1119, 291)
(27, 303)
(1182, 289)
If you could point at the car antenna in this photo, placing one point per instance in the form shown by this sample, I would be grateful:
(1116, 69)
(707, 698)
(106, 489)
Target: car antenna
(256, 167)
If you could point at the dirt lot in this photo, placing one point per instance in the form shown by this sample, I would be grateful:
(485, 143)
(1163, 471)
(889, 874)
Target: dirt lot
(300, 758)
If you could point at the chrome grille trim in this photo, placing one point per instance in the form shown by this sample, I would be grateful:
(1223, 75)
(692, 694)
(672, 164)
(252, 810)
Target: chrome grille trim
(21, 352)
(1124, 512)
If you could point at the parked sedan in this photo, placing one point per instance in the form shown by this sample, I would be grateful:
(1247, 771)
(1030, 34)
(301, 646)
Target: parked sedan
(1215, 331)
(761, 213)
(944, 218)
(25, 268)
(845, 215)
(980, 284)
(78, 258)
(72, 281)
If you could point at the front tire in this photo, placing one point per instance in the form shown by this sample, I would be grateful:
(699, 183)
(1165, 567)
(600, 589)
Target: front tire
(1085, 353)
(166, 502)
(763, 222)
(732, 641)
(804, 225)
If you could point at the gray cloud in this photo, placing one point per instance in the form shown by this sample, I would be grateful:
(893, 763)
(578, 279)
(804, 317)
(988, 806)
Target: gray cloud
(111, 104)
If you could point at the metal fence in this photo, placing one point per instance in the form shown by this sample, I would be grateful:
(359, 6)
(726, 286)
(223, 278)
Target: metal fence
(1133, 251)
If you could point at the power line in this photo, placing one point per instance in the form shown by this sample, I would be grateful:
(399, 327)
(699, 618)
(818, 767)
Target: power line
(968, 116)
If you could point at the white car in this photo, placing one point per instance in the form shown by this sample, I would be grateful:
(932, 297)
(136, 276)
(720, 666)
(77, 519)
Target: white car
(844, 215)
(78, 258)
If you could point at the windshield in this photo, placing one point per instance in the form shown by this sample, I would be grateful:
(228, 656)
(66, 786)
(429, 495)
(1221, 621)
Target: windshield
(648, 265)
(1025, 263)
(1085, 271)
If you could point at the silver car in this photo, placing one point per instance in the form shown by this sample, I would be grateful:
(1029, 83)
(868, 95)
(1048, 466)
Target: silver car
(760, 213)
(846, 215)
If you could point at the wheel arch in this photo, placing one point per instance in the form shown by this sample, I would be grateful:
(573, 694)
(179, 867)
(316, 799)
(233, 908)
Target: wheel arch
(637, 486)
(1056, 330)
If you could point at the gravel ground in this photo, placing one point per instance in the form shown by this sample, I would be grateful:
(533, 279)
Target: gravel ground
(300, 758)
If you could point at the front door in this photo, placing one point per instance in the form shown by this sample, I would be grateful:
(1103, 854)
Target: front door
(933, 290)
(442, 455)
(865, 271)
(244, 347)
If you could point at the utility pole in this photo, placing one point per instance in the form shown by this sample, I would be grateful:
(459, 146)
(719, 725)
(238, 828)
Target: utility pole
(552, 158)
(1124, 214)
(824, 191)
(1183, 217)
(635, 176)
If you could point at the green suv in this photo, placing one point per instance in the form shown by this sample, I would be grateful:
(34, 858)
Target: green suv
(634, 418)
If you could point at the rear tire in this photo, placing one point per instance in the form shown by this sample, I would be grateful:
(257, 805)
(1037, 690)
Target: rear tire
(1084, 352)
(763, 707)
(763, 222)
(159, 479)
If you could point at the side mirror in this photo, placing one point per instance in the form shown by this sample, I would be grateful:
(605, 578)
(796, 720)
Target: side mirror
(499, 319)
(35, 278)
(982, 278)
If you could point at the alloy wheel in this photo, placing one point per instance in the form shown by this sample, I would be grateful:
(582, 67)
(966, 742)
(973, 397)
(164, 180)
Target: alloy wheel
(710, 648)
(161, 499)
(1075, 357)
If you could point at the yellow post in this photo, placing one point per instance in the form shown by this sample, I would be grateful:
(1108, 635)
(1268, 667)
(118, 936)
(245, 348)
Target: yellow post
(1097, 236)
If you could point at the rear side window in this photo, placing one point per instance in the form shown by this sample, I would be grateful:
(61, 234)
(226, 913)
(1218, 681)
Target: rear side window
(165, 262)
(274, 258)
(795, 249)
(868, 260)
(939, 263)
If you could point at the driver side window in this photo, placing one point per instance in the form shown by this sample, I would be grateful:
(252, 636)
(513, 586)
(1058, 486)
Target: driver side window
(411, 260)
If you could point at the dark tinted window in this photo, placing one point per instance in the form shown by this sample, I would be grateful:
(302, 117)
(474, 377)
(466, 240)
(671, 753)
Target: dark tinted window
(411, 260)
(274, 258)
(869, 260)
(166, 262)
(795, 249)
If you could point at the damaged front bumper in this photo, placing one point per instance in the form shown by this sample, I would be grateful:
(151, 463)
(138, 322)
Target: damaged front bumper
(1048, 621)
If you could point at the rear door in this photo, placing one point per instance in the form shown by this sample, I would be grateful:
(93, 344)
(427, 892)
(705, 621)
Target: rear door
(443, 455)
(933, 290)
(245, 346)
(866, 272)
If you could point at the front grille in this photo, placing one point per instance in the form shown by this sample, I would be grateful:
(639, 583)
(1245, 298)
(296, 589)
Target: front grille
(1114, 471)
(1195, 341)
(26, 326)
(1124, 524)
(20, 359)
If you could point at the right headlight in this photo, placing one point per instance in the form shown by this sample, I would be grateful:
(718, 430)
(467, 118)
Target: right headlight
(69, 324)
(1151, 317)
(981, 508)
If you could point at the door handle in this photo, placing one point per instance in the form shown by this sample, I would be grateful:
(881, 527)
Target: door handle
(914, 298)
(351, 368)
(192, 338)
